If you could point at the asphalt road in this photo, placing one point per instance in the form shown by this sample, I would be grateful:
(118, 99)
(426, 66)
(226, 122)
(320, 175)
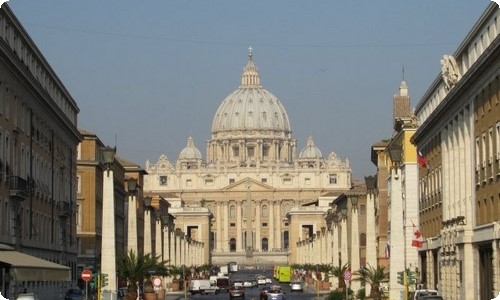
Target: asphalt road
(253, 293)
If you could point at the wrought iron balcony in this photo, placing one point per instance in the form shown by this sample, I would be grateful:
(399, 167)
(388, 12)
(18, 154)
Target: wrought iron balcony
(18, 188)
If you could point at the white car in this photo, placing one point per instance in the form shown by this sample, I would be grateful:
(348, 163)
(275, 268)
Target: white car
(296, 286)
(261, 280)
(247, 283)
(269, 281)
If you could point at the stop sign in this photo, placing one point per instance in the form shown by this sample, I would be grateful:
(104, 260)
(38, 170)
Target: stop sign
(86, 275)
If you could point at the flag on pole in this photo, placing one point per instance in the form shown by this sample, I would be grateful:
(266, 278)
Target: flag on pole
(418, 240)
(422, 161)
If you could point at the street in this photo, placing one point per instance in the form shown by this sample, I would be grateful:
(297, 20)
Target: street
(253, 293)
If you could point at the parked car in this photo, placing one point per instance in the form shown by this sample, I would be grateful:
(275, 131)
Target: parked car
(296, 286)
(261, 280)
(431, 297)
(74, 294)
(236, 292)
(247, 283)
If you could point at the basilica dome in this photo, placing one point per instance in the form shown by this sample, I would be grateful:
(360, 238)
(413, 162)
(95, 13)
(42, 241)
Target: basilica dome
(190, 152)
(310, 151)
(251, 107)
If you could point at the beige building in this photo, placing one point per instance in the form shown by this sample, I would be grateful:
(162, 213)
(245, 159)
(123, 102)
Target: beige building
(255, 196)
(38, 141)
(459, 134)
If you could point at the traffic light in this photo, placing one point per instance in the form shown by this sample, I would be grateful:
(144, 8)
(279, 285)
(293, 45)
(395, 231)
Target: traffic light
(93, 282)
(104, 280)
(411, 277)
(401, 278)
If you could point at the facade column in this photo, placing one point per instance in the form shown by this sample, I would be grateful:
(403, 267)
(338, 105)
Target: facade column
(225, 245)
(496, 264)
(166, 244)
(218, 219)
(329, 246)
(271, 226)
(132, 224)
(258, 242)
(239, 239)
(277, 213)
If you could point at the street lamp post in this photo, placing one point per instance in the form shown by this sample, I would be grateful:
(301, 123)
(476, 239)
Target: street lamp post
(108, 244)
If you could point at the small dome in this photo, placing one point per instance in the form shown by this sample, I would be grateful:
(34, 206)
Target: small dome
(310, 151)
(190, 151)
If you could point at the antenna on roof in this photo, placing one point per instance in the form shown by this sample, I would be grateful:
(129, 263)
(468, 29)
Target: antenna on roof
(403, 71)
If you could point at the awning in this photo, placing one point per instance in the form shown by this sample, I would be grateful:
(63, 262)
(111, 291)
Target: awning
(24, 267)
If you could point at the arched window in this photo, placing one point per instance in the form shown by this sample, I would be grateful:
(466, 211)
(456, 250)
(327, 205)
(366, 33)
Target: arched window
(264, 244)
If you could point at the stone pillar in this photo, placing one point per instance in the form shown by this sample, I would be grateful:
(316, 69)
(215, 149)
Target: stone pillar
(335, 250)
(371, 238)
(355, 264)
(225, 244)
(108, 250)
(277, 241)
(147, 231)
(177, 250)
(397, 259)
(344, 256)
(258, 242)
(166, 244)
(271, 245)
(158, 239)
(132, 224)
(239, 240)
(218, 219)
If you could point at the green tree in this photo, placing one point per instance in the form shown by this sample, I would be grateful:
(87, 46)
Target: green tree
(338, 272)
(135, 268)
(374, 277)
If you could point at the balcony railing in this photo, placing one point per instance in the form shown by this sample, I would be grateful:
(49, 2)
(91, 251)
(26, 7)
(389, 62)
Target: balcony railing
(18, 188)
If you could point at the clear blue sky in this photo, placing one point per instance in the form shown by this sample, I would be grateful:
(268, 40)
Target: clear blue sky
(152, 73)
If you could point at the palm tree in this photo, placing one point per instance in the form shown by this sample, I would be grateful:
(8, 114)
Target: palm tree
(137, 267)
(374, 277)
(338, 272)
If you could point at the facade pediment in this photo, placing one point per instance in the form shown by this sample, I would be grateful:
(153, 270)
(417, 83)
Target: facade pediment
(246, 183)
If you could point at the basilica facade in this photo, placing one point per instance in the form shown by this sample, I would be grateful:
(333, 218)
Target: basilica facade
(254, 197)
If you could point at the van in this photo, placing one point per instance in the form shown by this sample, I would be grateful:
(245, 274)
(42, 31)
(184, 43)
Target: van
(202, 286)
(223, 284)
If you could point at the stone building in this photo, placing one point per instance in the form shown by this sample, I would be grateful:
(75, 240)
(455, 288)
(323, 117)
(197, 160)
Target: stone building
(255, 196)
(38, 141)
(459, 135)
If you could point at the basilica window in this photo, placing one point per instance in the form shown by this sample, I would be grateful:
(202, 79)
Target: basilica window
(236, 151)
(263, 180)
(231, 180)
(232, 212)
(307, 181)
(287, 181)
(209, 181)
(265, 151)
(189, 182)
(265, 212)
(163, 180)
(333, 178)
(251, 151)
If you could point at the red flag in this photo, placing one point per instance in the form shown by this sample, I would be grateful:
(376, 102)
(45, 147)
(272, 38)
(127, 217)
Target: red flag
(418, 240)
(422, 161)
